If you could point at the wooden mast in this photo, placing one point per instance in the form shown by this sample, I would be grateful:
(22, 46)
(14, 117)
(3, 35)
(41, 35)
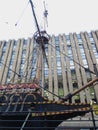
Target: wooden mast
(41, 38)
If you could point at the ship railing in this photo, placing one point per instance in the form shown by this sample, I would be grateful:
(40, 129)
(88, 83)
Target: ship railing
(91, 122)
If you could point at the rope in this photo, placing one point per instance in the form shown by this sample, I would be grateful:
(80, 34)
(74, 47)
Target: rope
(21, 14)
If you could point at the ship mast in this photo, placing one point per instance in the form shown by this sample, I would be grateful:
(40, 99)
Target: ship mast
(41, 38)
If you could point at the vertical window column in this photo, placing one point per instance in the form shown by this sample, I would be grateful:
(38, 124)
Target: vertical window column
(64, 78)
(45, 72)
(26, 56)
(90, 64)
(89, 41)
(82, 71)
(68, 71)
(77, 67)
(18, 59)
(6, 47)
(2, 52)
(34, 60)
(94, 35)
(14, 59)
(8, 63)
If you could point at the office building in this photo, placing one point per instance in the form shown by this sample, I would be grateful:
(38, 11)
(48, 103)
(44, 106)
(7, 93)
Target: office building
(72, 59)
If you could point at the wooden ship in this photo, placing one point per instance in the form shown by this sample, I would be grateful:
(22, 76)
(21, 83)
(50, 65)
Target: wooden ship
(22, 106)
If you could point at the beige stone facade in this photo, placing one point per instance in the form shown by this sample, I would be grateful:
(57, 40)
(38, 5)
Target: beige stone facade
(70, 58)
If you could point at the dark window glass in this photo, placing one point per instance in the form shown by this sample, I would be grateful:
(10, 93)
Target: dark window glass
(46, 72)
(90, 35)
(67, 37)
(5, 46)
(57, 40)
(59, 71)
(78, 36)
(25, 43)
(22, 61)
(24, 51)
(11, 62)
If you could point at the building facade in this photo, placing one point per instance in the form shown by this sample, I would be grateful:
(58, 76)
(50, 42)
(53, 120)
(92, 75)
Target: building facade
(73, 61)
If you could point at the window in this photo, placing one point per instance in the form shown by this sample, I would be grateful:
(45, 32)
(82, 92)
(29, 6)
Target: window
(45, 64)
(34, 55)
(59, 71)
(60, 85)
(10, 66)
(46, 50)
(11, 62)
(77, 98)
(88, 75)
(67, 37)
(82, 50)
(57, 40)
(46, 68)
(96, 55)
(46, 72)
(8, 80)
(57, 51)
(69, 49)
(2, 56)
(75, 85)
(71, 63)
(73, 75)
(33, 73)
(33, 62)
(70, 57)
(24, 53)
(13, 52)
(5, 46)
(15, 44)
(72, 67)
(22, 61)
(68, 42)
(22, 66)
(9, 74)
(92, 92)
(83, 56)
(58, 61)
(80, 46)
(80, 41)
(86, 66)
(1, 60)
(21, 72)
(84, 61)
(78, 36)
(90, 35)
(13, 55)
(91, 40)
(25, 43)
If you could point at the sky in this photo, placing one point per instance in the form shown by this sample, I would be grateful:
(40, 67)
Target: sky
(65, 16)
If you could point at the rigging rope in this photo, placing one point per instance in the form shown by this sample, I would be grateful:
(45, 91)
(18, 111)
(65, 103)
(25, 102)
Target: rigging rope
(24, 66)
(22, 14)
(10, 69)
(73, 60)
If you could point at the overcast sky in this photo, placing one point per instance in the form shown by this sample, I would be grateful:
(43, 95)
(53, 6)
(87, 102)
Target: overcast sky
(65, 16)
